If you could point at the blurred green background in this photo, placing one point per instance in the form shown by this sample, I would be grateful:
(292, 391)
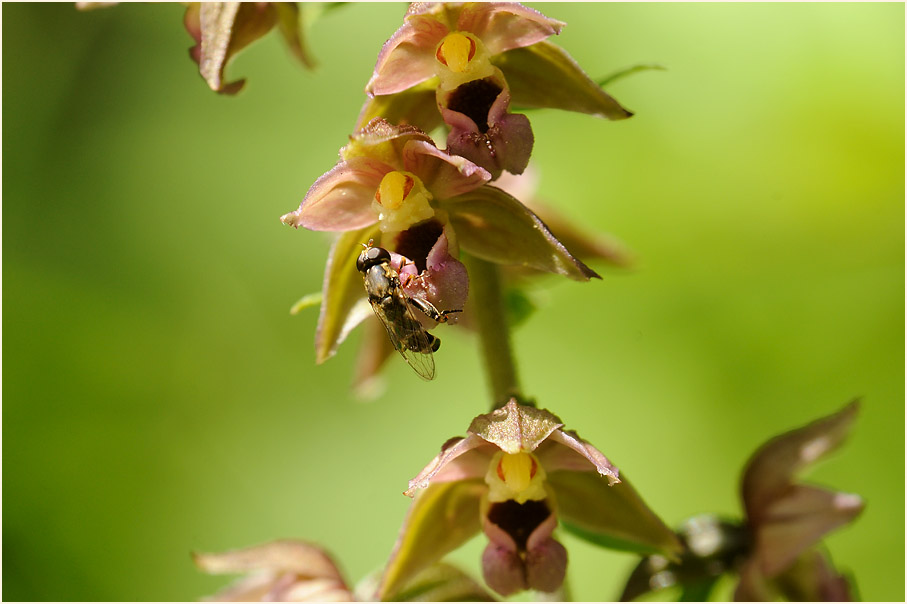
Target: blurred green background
(159, 398)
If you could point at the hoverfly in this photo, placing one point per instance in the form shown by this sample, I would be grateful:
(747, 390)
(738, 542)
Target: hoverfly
(395, 311)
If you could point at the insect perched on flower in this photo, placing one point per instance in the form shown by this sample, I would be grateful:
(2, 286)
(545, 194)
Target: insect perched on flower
(395, 311)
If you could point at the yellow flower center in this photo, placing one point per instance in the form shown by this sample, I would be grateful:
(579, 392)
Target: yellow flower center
(517, 476)
(462, 58)
(401, 201)
(456, 51)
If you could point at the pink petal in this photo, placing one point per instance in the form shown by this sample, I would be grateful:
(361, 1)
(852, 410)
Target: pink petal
(341, 199)
(505, 25)
(576, 455)
(444, 175)
(453, 463)
(408, 57)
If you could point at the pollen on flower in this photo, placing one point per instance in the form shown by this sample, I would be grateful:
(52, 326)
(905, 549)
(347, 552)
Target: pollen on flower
(516, 476)
(456, 51)
(401, 201)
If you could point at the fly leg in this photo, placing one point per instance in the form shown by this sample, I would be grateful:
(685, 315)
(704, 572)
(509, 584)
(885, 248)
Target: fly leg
(429, 309)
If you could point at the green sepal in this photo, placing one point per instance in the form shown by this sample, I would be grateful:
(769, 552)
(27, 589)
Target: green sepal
(614, 517)
(494, 226)
(342, 290)
(442, 517)
(544, 75)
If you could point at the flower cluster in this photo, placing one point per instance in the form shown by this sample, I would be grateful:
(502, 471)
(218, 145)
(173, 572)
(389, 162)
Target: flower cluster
(426, 194)
(458, 66)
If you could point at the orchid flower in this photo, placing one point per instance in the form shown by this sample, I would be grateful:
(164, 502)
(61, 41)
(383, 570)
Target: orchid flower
(423, 205)
(472, 60)
(515, 476)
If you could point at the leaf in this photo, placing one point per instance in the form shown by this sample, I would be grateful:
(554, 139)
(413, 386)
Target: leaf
(622, 73)
(615, 517)
(441, 518)
(544, 75)
(342, 290)
(494, 226)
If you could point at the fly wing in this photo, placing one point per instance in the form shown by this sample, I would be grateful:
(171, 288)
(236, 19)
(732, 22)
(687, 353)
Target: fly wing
(409, 339)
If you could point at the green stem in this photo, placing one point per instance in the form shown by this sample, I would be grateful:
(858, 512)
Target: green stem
(487, 306)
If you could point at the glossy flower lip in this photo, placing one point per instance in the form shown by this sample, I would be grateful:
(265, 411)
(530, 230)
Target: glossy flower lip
(410, 56)
(516, 476)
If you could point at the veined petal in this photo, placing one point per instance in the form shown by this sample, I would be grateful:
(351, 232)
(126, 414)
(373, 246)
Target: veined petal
(408, 57)
(443, 174)
(774, 465)
(515, 428)
(441, 518)
(566, 451)
(342, 289)
(798, 520)
(459, 459)
(341, 199)
(610, 516)
(496, 227)
(506, 25)
(544, 75)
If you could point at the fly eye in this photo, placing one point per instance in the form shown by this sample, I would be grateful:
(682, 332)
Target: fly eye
(361, 260)
(377, 255)
(372, 256)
